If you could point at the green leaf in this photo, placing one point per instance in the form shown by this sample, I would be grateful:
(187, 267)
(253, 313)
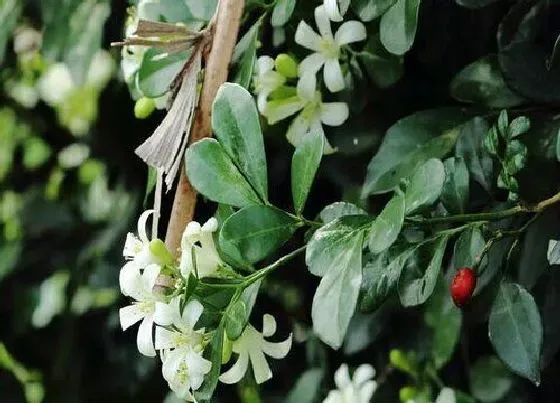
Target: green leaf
(515, 330)
(518, 126)
(235, 121)
(305, 163)
(335, 253)
(36, 152)
(202, 10)
(470, 148)
(516, 156)
(475, 3)
(558, 146)
(282, 12)
(490, 379)
(482, 83)
(10, 10)
(492, 141)
(307, 387)
(206, 391)
(236, 320)
(409, 143)
(246, 63)
(212, 173)
(455, 192)
(445, 319)
(387, 226)
(468, 248)
(503, 123)
(416, 288)
(253, 233)
(10, 253)
(425, 186)
(398, 26)
(339, 209)
(156, 72)
(369, 10)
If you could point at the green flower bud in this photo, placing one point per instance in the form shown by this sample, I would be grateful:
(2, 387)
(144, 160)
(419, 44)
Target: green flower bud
(226, 349)
(401, 361)
(286, 66)
(160, 251)
(407, 393)
(144, 107)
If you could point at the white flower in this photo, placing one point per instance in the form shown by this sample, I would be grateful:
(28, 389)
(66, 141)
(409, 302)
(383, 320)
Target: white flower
(182, 333)
(139, 286)
(56, 84)
(314, 112)
(199, 240)
(336, 9)
(266, 80)
(184, 371)
(447, 395)
(252, 346)
(137, 248)
(357, 390)
(327, 47)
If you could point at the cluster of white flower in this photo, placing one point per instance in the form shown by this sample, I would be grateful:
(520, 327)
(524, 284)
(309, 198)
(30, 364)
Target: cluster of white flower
(277, 101)
(358, 389)
(169, 323)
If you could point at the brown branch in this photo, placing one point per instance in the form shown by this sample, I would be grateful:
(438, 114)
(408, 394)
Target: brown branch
(226, 28)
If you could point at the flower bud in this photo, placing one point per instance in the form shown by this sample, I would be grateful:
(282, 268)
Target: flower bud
(226, 349)
(144, 107)
(407, 393)
(401, 361)
(160, 251)
(286, 66)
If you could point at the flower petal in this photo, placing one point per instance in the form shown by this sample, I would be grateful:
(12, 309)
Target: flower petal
(447, 395)
(297, 130)
(311, 64)
(307, 86)
(331, 7)
(142, 221)
(342, 377)
(364, 373)
(130, 280)
(132, 246)
(282, 108)
(366, 391)
(144, 340)
(129, 315)
(150, 276)
(269, 325)
(349, 32)
(277, 350)
(210, 226)
(261, 370)
(334, 113)
(192, 313)
(237, 371)
(323, 23)
(332, 73)
(164, 339)
(306, 37)
(198, 367)
(264, 65)
(317, 126)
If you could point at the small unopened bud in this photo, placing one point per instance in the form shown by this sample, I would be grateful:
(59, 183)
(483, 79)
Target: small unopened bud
(144, 107)
(160, 251)
(286, 66)
(407, 393)
(401, 361)
(226, 349)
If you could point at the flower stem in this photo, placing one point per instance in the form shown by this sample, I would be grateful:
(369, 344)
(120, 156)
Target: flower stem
(264, 271)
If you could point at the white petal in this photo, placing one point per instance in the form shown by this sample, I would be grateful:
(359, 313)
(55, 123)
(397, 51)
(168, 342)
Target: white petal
(332, 73)
(323, 23)
(306, 86)
(130, 279)
(262, 99)
(277, 350)
(331, 7)
(192, 313)
(164, 339)
(306, 37)
(317, 127)
(282, 108)
(264, 65)
(334, 397)
(269, 325)
(150, 275)
(191, 233)
(166, 314)
(334, 113)
(261, 370)
(171, 363)
(198, 367)
(142, 221)
(237, 371)
(364, 373)
(210, 226)
(144, 340)
(129, 315)
(297, 130)
(349, 32)
(342, 377)
(132, 246)
(311, 64)
(366, 391)
(447, 395)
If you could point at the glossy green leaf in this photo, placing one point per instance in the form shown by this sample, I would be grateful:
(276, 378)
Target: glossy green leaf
(398, 26)
(282, 12)
(492, 141)
(455, 192)
(305, 163)
(339, 209)
(515, 330)
(335, 254)
(468, 248)
(416, 288)
(10, 11)
(254, 232)
(481, 82)
(475, 3)
(388, 224)
(246, 63)
(516, 156)
(490, 379)
(235, 121)
(307, 387)
(369, 10)
(156, 72)
(409, 143)
(236, 317)
(553, 252)
(425, 186)
(470, 148)
(212, 172)
(518, 126)
(206, 391)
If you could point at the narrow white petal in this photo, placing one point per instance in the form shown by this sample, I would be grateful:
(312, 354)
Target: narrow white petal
(264, 65)
(164, 314)
(131, 246)
(334, 113)
(306, 37)
(323, 23)
(364, 373)
(129, 315)
(269, 325)
(171, 363)
(261, 370)
(297, 130)
(306, 86)
(282, 108)
(349, 32)
(317, 127)
(342, 377)
(334, 397)
(331, 7)
(192, 313)
(237, 371)
(129, 279)
(262, 98)
(150, 275)
(366, 391)
(210, 226)
(142, 225)
(198, 367)
(311, 64)
(164, 339)
(277, 350)
(332, 73)
(144, 340)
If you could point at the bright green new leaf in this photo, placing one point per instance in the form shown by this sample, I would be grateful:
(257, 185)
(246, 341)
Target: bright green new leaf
(455, 192)
(253, 233)
(416, 287)
(369, 10)
(235, 121)
(335, 253)
(305, 163)
(339, 209)
(156, 73)
(212, 172)
(398, 26)
(515, 330)
(282, 12)
(387, 226)
(425, 186)
(490, 379)
(468, 248)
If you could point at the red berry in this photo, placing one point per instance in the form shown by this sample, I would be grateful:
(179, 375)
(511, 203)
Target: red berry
(462, 286)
